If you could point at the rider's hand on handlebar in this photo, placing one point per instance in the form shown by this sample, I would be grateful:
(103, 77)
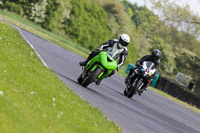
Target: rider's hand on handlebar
(117, 68)
(139, 66)
(99, 49)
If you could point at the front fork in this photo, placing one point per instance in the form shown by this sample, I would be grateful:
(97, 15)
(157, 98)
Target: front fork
(84, 72)
(105, 74)
(131, 84)
(101, 76)
(139, 88)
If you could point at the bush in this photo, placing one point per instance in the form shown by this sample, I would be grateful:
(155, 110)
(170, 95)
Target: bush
(36, 11)
(57, 12)
(10, 6)
(167, 62)
(87, 24)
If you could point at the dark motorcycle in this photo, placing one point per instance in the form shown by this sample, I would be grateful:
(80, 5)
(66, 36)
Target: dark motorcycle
(138, 78)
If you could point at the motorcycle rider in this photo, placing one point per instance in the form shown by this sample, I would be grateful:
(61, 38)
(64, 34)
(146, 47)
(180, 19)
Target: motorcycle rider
(154, 57)
(115, 48)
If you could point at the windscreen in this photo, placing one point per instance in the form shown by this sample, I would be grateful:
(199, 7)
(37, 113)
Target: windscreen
(148, 65)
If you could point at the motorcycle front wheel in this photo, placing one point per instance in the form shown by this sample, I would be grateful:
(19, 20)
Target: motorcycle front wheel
(91, 77)
(133, 90)
(80, 79)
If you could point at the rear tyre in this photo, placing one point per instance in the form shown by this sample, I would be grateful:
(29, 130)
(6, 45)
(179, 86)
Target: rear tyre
(80, 80)
(91, 77)
(133, 90)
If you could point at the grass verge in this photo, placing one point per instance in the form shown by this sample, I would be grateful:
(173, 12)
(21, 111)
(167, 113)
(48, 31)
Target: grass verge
(33, 99)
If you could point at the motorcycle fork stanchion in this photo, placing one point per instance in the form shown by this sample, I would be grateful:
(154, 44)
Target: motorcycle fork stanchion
(131, 83)
(139, 89)
(100, 78)
(133, 79)
(85, 70)
(84, 73)
(104, 75)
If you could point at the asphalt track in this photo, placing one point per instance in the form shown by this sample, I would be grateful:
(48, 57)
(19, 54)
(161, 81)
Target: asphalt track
(149, 113)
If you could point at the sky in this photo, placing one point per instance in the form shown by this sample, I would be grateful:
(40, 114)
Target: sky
(194, 4)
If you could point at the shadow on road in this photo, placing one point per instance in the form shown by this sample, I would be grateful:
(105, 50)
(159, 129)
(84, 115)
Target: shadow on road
(120, 103)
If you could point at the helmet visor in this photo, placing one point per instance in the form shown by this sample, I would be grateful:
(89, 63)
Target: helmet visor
(123, 43)
(155, 57)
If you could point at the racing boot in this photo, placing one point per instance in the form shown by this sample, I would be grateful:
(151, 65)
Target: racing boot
(91, 55)
(83, 63)
(127, 77)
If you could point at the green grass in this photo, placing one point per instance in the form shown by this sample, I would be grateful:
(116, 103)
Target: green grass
(34, 100)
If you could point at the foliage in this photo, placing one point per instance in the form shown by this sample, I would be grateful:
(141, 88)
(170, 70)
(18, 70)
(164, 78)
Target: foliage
(36, 11)
(167, 64)
(11, 6)
(181, 17)
(49, 13)
(189, 64)
(87, 24)
(57, 11)
(144, 19)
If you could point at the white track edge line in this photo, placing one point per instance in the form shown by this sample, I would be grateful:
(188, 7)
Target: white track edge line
(45, 64)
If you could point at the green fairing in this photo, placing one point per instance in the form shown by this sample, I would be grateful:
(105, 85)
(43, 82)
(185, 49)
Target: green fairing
(102, 62)
(108, 65)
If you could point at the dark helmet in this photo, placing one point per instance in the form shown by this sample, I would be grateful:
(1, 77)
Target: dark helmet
(124, 40)
(156, 54)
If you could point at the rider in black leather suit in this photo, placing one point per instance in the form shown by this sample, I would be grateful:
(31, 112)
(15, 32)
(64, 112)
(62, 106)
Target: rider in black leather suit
(154, 57)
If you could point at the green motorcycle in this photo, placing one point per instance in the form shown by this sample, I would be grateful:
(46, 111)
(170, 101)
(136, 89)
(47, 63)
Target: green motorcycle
(98, 68)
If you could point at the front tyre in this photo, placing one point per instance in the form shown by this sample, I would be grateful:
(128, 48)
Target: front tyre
(125, 93)
(91, 77)
(80, 79)
(133, 90)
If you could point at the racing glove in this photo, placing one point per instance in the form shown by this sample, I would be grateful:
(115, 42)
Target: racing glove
(139, 66)
(118, 67)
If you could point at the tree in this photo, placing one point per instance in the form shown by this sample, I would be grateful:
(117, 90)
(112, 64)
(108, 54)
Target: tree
(189, 64)
(119, 22)
(145, 20)
(87, 24)
(181, 17)
(167, 64)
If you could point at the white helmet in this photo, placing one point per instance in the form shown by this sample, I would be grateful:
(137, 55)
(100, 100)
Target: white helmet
(124, 39)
